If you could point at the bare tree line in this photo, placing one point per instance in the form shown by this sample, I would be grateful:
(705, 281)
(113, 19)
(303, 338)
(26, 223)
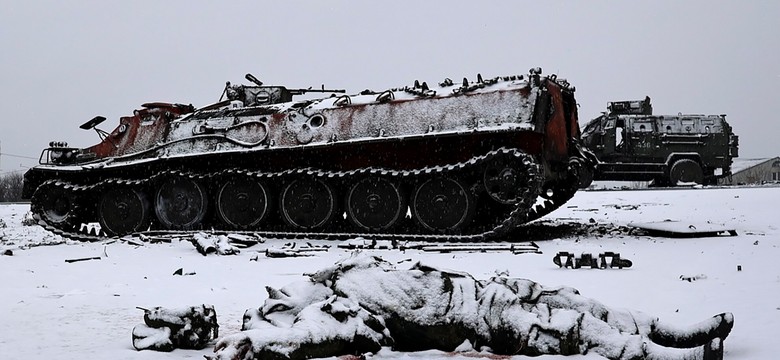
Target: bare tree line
(11, 187)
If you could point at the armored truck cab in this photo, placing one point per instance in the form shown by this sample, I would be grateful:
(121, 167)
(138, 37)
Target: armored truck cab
(632, 144)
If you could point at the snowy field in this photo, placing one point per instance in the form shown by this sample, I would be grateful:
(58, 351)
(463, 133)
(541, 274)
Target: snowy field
(52, 309)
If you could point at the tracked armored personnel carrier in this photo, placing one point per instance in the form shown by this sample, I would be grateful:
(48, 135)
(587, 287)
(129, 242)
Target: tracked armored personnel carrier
(457, 161)
(633, 144)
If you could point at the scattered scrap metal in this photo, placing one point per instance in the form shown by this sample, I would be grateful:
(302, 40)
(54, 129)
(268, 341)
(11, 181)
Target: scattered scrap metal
(209, 244)
(373, 244)
(514, 248)
(596, 229)
(692, 278)
(292, 250)
(239, 241)
(105, 255)
(83, 259)
(206, 243)
(181, 272)
(679, 229)
(665, 228)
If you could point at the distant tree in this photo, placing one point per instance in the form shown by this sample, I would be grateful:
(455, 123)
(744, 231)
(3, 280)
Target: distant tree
(11, 186)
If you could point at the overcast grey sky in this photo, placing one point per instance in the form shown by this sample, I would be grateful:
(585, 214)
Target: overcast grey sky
(63, 62)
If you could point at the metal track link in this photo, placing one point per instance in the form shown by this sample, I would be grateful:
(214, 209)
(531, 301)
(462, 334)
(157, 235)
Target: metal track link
(523, 211)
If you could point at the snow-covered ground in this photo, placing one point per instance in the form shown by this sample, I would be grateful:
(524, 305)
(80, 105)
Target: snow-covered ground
(52, 309)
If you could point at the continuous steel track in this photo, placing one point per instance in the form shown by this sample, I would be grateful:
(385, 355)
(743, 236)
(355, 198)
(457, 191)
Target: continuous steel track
(525, 209)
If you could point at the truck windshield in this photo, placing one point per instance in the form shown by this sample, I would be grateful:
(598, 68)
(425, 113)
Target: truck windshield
(592, 127)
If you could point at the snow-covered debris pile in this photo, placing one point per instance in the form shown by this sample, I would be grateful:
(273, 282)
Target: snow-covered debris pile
(593, 228)
(244, 241)
(208, 244)
(28, 219)
(290, 250)
(561, 229)
(23, 237)
(364, 303)
(167, 329)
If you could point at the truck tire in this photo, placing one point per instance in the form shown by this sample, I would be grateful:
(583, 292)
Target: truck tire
(687, 171)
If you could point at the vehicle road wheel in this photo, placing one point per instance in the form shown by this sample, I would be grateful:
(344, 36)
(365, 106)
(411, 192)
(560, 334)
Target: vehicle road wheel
(242, 203)
(57, 206)
(123, 210)
(374, 204)
(180, 203)
(503, 182)
(686, 170)
(442, 204)
(308, 203)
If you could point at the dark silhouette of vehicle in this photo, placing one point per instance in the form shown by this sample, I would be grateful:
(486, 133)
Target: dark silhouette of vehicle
(457, 161)
(632, 144)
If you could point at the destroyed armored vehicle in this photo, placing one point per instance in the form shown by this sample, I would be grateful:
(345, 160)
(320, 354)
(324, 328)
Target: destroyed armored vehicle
(632, 144)
(457, 161)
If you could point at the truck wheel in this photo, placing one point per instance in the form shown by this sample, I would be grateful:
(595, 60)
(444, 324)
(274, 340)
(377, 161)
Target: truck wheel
(686, 170)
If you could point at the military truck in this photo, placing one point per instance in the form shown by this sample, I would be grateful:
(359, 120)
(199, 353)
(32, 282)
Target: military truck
(632, 144)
